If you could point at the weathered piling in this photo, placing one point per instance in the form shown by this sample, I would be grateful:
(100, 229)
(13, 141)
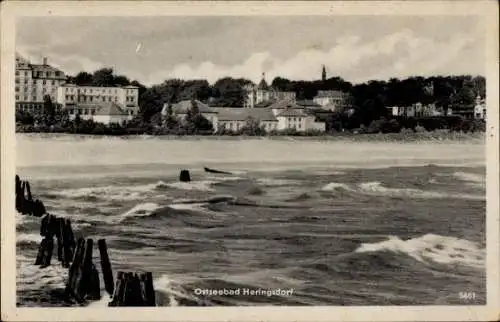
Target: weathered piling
(68, 242)
(94, 286)
(25, 203)
(29, 196)
(184, 176)
(119, 292)
(107, 273)
(134, 289)
(75, 271)
(148, 288)
(45, 252)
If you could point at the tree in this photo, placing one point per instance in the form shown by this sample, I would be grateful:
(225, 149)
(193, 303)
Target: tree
(170, 122)
(103, 77)
(48, 110)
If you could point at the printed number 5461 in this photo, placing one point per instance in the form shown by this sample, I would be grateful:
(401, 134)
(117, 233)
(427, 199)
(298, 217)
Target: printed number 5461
(467, 295)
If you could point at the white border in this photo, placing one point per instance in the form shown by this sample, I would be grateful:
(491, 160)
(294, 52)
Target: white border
(11, 9)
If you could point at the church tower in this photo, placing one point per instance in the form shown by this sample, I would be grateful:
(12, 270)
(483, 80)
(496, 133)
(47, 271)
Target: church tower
(323, 74)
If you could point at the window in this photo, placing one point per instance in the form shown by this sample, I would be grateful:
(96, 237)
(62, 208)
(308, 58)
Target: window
(17, 81)
(53, 82)
(17, 89)
(34, 98)
(17, 97)
(17, 73)
(26, 73)
(26, 81)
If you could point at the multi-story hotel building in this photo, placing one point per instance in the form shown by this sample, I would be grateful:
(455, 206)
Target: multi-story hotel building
(33, 82)
(86, 100)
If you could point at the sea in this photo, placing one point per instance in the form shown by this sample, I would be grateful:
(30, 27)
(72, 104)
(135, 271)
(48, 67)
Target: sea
(295, 223)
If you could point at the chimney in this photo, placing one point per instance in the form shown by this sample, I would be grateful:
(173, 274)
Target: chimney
(45, 61)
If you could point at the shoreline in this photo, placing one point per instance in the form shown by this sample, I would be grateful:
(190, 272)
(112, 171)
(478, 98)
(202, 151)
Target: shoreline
(435, 137)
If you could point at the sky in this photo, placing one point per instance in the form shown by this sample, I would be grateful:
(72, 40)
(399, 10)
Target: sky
(356, 48)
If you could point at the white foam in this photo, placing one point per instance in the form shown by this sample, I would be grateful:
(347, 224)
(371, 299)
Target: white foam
(28, 237)
(140, 210)
(432, 248)
(204, 185)
(473, 179)
(332, 186)
(188, 206)
(376, 188)
(270, 182)
(32, 277)
(115, 192)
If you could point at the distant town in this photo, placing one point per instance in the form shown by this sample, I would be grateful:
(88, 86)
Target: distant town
(49, 100)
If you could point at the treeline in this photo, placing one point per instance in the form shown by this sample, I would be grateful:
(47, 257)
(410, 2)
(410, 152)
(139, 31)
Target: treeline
(365, 106)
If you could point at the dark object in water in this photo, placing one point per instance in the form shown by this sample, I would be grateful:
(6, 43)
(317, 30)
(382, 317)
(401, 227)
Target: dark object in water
(134, 289)
(184, 176)
(215, 171)
(107, 273)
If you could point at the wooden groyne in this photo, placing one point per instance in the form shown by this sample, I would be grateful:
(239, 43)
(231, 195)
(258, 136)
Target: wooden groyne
(83, 282)
(25, 204)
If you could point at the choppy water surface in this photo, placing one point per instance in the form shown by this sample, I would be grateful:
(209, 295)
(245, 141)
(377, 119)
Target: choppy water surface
(336, 223)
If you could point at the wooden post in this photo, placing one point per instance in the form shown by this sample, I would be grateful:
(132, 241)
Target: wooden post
(38, 208)
(184, 176)
(83, 288)
(29, 197)
(45, 252)
(94, 290)
(75, 271)
(148, 289)
(60, 242)
(68, 242)
(107, 273)
(19, 195)
(119, 290)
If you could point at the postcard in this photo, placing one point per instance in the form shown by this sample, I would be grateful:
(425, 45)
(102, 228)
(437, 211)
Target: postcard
(250, 161)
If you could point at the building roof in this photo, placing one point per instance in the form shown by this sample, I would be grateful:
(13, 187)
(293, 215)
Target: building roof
(46, 68)
(285, 104)
(331, 93)
(292, 112)
(184, 106)
(307, 103)
(267, 103)
(242, 114)
(110, 108)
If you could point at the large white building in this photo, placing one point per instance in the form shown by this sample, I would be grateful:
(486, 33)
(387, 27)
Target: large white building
(33, 82)
(281, 115)
(330, 100)
(86, 100)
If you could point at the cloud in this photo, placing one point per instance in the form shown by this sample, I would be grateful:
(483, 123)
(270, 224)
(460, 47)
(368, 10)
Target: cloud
(291, 47)
(399, 54)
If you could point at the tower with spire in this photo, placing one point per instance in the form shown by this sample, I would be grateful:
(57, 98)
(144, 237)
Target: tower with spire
(323, 74)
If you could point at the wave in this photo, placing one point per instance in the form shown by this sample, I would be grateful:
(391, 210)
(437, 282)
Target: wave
(115, 193)
(28, 238)
(376, 188)
(129, 193)
(205, 185)
(32, 277)
(270, 182)
(432, 248)
(140, 210)
(334, 186)
(472, 179)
